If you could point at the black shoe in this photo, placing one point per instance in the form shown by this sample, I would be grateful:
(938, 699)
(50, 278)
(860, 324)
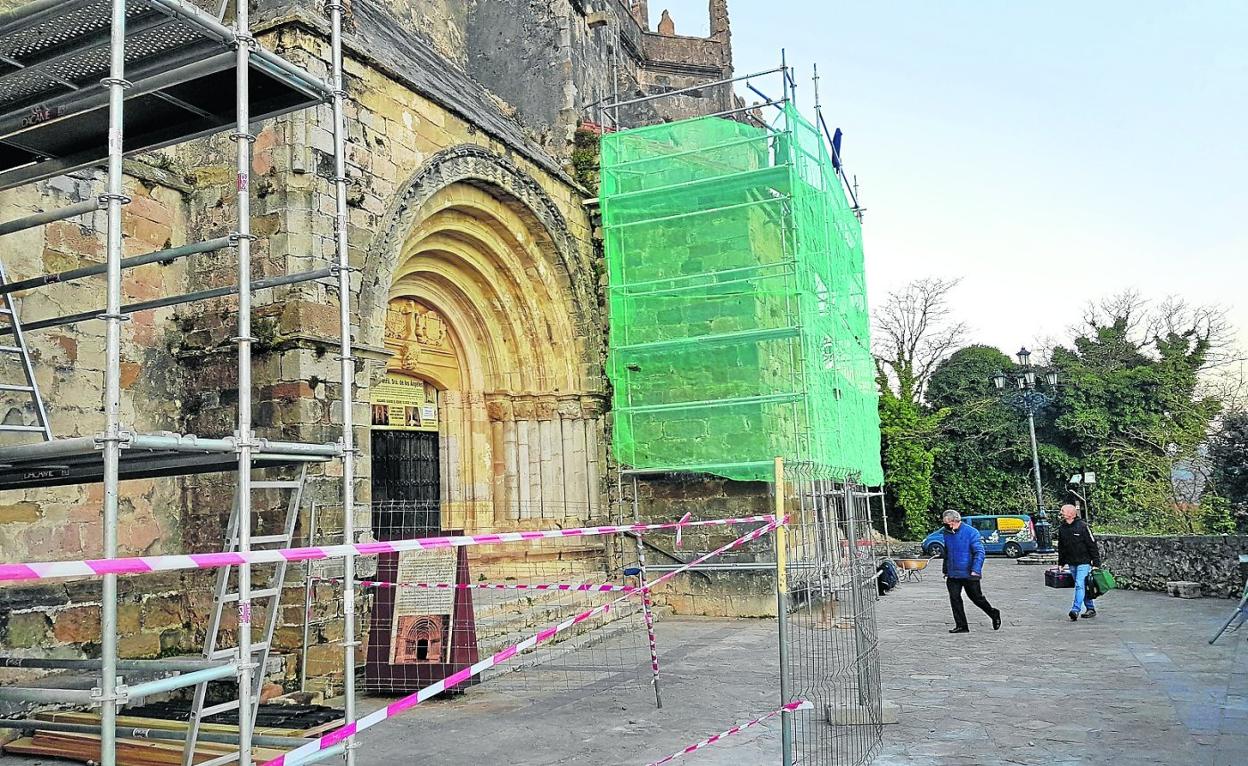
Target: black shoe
(1074, 616)
(996, 620)
(960, 630)
(1089, 614)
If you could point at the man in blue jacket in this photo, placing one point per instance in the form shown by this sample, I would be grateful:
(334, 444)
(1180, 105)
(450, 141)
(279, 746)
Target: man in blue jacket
(963, 568)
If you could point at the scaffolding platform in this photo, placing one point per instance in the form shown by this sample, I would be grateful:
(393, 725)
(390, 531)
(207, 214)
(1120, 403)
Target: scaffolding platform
(80, 460)
(180, 65)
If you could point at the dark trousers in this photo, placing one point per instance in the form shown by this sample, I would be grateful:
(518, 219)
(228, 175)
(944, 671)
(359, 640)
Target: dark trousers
(955, 586)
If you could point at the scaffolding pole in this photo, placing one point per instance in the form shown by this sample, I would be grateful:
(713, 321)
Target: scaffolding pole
(349, 643)
(646, 605)
(150, 666)
(43, 694)
(40, 219)
(782, 615)
(243, 43)
(162, 257)
(114, 199)
(177, 300)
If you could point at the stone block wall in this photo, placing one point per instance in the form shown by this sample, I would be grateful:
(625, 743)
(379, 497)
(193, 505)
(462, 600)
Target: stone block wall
(662, 61)
(65, 522)
(710, 593)
(1148, 563)
(697, 271)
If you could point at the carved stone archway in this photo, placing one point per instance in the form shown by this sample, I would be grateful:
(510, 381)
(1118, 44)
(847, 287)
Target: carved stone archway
(488, 303)
(476, 166)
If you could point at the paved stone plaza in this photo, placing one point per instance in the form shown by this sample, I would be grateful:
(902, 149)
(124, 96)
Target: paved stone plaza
(1137, 685)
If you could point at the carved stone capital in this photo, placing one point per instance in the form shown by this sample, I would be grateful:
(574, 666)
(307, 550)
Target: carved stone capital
(570, 407)
(547, 406)
(500, 407)
(525, 408)
(593, 406)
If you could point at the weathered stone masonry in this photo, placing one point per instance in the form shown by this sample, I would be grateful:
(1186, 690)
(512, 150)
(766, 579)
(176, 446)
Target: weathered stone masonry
(460, 122)
(1148, 563)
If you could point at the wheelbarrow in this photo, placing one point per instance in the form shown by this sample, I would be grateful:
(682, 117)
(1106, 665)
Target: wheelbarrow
(912, 569)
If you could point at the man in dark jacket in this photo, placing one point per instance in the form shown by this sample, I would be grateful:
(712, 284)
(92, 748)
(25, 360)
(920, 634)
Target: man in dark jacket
(963, 568)
(1076, 548)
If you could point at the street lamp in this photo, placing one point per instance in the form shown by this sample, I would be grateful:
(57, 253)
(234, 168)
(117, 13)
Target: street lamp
(1031, 400)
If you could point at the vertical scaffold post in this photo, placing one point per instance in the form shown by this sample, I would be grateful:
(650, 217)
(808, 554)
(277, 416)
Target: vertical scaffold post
(782, 614)
(242, 140)
(116, 82)
(888, 545)
(856, 599)
(347, 370)
(647, 607)
(784, 77)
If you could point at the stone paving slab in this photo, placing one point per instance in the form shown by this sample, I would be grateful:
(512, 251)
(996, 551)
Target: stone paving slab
(1139, 684)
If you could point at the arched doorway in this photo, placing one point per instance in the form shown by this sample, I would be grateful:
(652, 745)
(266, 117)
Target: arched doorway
(406, 471)
(483, 306)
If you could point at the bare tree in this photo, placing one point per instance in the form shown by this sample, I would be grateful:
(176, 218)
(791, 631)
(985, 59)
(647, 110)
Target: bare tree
(1149, 324)
(914, 331)
(1174, 318)
(1128, 307)
(1228, 384)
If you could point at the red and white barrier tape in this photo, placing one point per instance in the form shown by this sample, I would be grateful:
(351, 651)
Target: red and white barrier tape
(797, 705)
(300, 754)
(683, 520)
(558, 586)
(143, 564)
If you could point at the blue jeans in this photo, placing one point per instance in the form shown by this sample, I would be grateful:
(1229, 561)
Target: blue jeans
(1081, 572)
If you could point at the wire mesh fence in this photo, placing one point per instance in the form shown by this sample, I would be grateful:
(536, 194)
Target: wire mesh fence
(430, 613)
(831, 646)
(827, 640)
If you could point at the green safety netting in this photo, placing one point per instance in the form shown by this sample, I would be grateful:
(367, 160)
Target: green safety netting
(738, 315)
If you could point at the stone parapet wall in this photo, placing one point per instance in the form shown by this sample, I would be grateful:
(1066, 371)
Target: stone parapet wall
(1148, 563)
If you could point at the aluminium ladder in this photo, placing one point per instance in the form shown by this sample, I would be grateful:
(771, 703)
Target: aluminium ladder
(270, 595)
(25, 386)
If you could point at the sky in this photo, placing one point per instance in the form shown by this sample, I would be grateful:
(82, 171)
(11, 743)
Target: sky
(1047, 154)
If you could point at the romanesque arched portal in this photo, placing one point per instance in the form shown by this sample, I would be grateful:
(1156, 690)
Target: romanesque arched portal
(485, 301)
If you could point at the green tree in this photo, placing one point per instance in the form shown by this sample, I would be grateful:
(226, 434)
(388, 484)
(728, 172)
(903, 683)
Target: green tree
(909, 447)
(915, 331)
(1228, 458)
(1128, 408)
(983, 458)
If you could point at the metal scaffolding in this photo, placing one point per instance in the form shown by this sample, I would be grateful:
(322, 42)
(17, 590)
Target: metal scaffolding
(93, 81)
(761, 201)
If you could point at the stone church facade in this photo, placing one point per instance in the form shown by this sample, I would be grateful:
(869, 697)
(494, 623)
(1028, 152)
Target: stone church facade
(477, 274)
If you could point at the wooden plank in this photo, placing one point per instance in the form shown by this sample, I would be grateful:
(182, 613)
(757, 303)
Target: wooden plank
(130, 752)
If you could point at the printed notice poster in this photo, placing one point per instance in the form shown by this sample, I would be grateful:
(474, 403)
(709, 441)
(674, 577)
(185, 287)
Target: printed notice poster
(422, 616)
(400, 403)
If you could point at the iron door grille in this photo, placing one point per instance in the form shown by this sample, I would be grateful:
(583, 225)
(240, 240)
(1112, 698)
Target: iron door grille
(406, 494)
